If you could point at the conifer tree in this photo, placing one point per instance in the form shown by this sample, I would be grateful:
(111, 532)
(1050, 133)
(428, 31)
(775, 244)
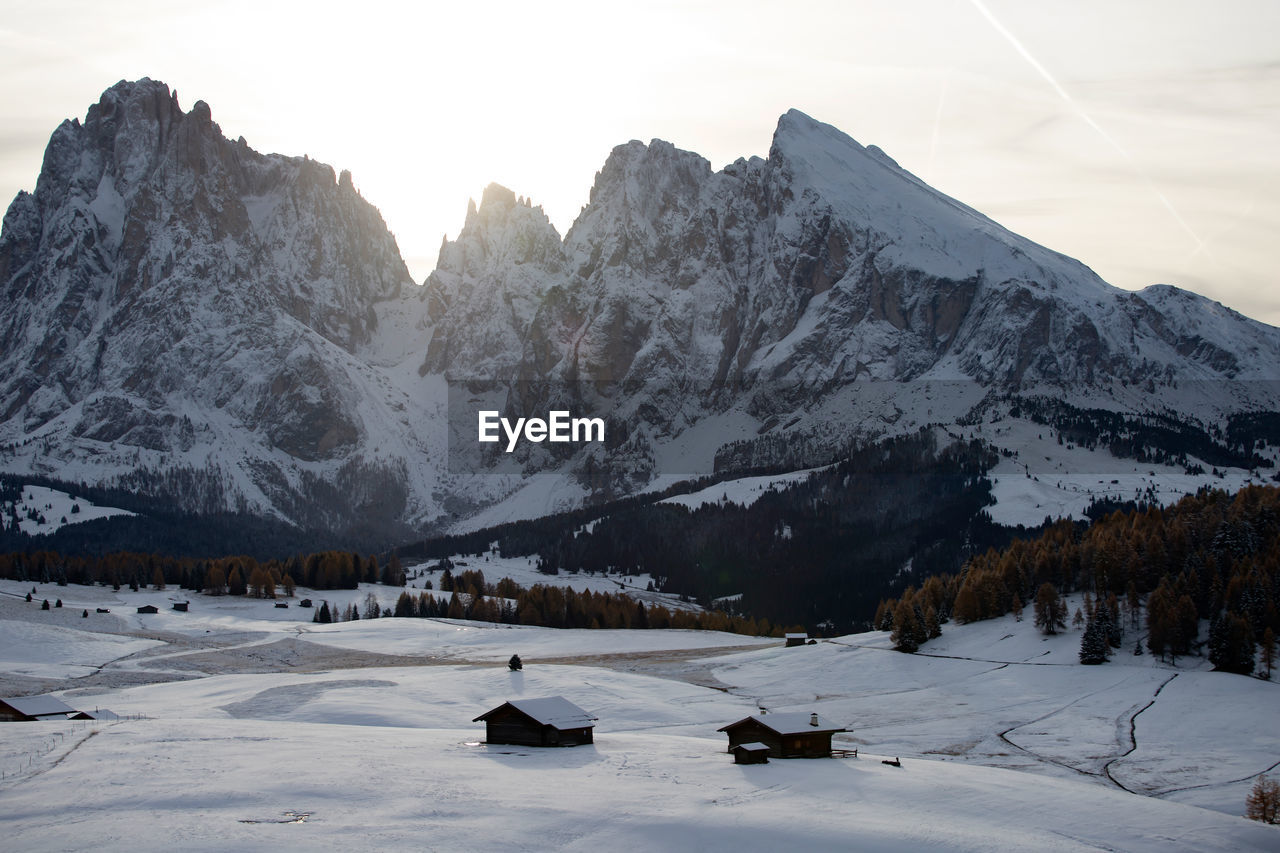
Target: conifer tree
(1159, 619)
(1050, 609)
(1268, 652)
(215, 580)
(1263, 802)
(1094, 648)
(968, 608)
(932, 628)
(908, 633)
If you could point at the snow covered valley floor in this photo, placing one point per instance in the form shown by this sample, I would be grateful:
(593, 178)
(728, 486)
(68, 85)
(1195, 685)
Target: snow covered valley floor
(258, 730)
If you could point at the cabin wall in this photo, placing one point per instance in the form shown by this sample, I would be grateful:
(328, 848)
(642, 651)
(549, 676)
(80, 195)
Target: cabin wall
(9, 715)
(513, 731)
(817, 745)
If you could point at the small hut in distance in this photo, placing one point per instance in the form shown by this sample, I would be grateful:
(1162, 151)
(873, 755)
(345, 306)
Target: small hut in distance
(787, 735)
(553, 721)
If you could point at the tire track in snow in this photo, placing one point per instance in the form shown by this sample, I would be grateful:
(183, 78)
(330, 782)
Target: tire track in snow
(1091, 774)
(1133, 738)
(1159, 794)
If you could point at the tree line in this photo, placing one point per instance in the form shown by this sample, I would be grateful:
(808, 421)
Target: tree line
(469, 596)
(235, 575)
(1211, 557)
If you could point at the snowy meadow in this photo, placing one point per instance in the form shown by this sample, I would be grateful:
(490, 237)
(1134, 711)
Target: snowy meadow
(247, 727)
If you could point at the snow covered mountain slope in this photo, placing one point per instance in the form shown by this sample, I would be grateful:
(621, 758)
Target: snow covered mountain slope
(769, 312)
(189, 319)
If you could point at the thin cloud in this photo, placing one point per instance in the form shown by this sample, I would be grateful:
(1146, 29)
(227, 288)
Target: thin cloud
(1079, 110)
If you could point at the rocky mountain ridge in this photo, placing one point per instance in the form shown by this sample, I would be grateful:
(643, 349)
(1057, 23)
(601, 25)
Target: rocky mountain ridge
(189, 318)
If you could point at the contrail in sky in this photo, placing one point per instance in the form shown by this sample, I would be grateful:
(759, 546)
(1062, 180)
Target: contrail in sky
(937, 122)
(1201, 246)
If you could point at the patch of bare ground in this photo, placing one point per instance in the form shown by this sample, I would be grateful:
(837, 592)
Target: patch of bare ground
(688, 665)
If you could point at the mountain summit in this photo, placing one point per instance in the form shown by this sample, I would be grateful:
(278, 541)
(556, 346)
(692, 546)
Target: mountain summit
(185, 315)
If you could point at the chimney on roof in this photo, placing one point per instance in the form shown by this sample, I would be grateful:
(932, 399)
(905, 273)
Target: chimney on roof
(813, 719)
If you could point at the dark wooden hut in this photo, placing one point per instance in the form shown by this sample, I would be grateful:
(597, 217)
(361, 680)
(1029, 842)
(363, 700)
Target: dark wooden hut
(553, 721)
(788, 735)
(148, 608)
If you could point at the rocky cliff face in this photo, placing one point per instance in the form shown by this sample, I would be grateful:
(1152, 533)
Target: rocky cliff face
(175, 299)
(823, 265)
(190, 318)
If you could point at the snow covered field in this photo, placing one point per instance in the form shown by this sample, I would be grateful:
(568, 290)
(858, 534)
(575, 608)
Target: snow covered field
(524, 571)
(263, 731)
(44, 510)
(1049, 479)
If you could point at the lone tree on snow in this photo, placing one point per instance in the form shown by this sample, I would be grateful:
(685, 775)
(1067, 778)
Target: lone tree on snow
(514, 664)
(1263, 802)
(1051, 610)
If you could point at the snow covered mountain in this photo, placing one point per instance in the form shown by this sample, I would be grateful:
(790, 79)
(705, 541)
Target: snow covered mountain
(824, 263)
(820, 295)
(188, 318)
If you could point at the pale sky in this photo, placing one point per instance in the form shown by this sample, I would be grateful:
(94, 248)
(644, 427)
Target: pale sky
(1140, 136)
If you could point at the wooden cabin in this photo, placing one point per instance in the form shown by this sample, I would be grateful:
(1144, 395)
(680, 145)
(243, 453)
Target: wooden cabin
(796, 639)
(148, 608)
(788, 735)
(181, 606)
(553, 721)
(750, 753)
(31, 708)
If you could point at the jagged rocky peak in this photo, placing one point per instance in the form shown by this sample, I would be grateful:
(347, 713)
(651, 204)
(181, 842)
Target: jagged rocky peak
(488, 283)
(144, 187)
(650, 177)
(171, 291)
(824, 263)
(503, 229)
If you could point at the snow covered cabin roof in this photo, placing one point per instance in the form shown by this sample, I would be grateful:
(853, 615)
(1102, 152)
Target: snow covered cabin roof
(797, 636)
(555, 711)
(38, 706)
(102, 714)
(790, 723)
(754, 746)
